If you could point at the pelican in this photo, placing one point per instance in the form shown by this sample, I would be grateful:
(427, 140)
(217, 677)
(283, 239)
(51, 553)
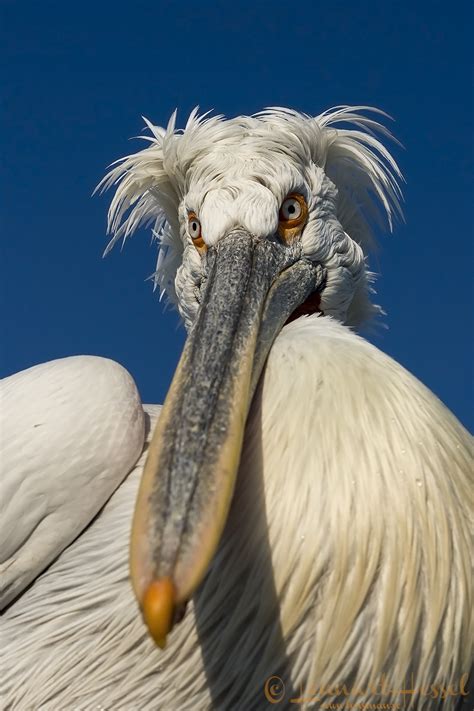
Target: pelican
(302, 505)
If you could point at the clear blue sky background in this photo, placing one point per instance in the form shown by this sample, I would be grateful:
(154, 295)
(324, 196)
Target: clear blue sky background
(78, 76)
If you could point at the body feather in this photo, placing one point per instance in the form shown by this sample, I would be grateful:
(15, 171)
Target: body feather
(345, 559)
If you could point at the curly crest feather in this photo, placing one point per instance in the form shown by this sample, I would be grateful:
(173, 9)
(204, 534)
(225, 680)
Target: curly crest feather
(152, 183)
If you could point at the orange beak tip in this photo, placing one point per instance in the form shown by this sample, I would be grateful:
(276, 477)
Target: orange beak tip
(158, 607)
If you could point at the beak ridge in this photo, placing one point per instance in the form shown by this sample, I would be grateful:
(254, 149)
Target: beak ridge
(252, 288)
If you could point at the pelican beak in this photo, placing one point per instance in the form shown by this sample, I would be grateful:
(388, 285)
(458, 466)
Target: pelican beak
(251, 289)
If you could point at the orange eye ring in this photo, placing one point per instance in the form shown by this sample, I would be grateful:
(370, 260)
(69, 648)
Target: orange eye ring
(194, 229)
(293, 211)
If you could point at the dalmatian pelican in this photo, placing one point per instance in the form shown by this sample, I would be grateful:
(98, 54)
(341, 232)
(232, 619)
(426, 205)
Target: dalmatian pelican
(302, 526)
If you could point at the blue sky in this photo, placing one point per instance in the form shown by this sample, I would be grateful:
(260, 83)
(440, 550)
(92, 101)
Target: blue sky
(78, 76)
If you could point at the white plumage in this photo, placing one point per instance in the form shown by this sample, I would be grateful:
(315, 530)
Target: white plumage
(238, 172)
(346, 554)
(54, 482)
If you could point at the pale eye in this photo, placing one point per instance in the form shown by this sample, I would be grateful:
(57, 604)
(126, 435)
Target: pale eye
(194, 226)
(194, 229)
(292, 217)
(292, 208)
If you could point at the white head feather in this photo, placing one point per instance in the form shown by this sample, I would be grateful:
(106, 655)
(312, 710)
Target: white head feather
(238, 172)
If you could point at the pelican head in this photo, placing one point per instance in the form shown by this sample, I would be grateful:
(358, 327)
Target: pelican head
(260, 219)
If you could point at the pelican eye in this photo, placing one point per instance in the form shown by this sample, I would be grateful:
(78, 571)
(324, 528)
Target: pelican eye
(293, 214)
(194, 229)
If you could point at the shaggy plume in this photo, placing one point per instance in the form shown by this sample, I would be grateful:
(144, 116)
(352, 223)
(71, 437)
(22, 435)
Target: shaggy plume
(279, 148)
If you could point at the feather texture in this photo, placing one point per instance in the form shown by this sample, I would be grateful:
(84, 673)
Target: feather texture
(248, 165)
(345, 559)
